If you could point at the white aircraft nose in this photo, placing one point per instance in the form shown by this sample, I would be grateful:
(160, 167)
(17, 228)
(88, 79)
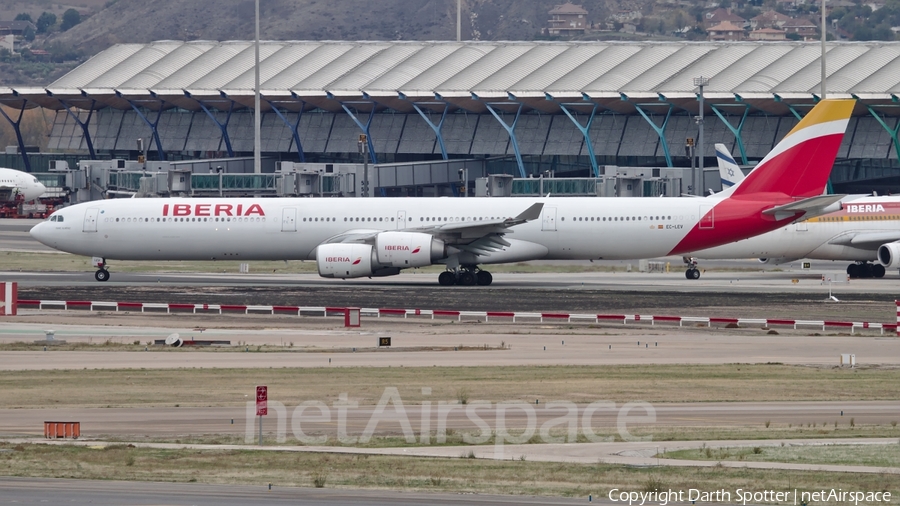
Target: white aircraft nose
(41, 233)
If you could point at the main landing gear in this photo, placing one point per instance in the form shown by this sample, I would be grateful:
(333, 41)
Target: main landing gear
(102, 274)
(865, 270)
(467, 275)
(692, 271)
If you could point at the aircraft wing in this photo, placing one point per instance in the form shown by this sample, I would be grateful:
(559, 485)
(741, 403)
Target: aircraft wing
(866, 240)
(811, 207)
(482, 235)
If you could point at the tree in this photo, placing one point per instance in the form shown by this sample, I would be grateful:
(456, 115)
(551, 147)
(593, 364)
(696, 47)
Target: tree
(24, 17)
(45, 22)
(28, 34)
(70, 18)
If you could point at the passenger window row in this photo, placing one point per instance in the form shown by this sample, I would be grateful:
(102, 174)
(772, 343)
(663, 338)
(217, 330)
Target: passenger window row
(621, 218)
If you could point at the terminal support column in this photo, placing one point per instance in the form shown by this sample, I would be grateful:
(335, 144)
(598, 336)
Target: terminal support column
(293, 127)
(436, 128)
(364, 128)
(153, 127)
(222, 127)
(585, 130)
(511, 130)
(660, 131)
(84, 125)
(16, 126)
(891, 131)
(735, 131)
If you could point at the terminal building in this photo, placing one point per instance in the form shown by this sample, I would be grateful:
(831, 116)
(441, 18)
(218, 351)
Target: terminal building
(393, 118)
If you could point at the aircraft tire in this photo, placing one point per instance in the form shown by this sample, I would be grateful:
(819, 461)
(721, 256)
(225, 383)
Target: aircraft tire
(878, 271)
(101, 275)
(484, 278)
(467, 278)
(853, 270)
(692, 274)
(447, 278)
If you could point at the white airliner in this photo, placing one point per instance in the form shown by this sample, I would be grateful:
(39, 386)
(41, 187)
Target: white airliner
(867, 228)
(351, 238)
(14, 183)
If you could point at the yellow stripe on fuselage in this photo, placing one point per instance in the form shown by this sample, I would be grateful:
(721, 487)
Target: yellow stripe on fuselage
(870, 217)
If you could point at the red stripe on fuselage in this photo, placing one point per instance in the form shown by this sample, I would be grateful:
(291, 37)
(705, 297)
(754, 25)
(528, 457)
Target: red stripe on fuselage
(801, 171)
(733, 219)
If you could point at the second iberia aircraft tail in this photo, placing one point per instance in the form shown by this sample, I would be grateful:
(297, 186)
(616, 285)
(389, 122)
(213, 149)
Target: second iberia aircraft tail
(368, 237)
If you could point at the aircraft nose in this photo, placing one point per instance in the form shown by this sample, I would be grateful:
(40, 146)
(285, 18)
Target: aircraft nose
(40, 233)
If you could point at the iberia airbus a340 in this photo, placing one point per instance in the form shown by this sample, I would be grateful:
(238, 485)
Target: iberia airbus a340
(351, 238)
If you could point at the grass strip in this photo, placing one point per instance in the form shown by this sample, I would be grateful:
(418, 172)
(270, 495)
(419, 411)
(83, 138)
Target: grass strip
(365, 385)
(462, 475)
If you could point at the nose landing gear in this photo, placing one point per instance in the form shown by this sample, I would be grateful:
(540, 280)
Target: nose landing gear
(102, 274)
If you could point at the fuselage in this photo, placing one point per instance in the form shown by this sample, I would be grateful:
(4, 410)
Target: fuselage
(834, 236)
(14, 183)
(292, 228)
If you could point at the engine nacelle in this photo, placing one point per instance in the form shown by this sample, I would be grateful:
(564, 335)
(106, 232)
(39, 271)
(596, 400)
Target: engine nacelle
(889, 255)
(344, 260)
(408, 249)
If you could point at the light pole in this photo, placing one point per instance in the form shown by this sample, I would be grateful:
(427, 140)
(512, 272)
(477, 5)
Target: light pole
(257, 138)
(363, 145)
(464, 181)
(698, 180)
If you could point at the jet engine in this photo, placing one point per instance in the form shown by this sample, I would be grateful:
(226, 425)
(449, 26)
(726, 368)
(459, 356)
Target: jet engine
(392, 251)
(889, 255)
(408, 249)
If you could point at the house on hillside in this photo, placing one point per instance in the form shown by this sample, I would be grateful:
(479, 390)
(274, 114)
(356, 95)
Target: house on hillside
(767, 34)
(720, 15)
(567, 19)
(16, 28)
(769, 19)
(803, 27)
(726, 30)
(626, 15)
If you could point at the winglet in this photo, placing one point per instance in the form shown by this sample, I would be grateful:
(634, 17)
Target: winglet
(532, 213)
(800, 164)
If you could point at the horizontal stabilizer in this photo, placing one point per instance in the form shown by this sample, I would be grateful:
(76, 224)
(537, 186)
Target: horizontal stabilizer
(866, 240)
(813, 206)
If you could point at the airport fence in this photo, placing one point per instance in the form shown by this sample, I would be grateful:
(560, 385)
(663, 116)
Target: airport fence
(485, 316)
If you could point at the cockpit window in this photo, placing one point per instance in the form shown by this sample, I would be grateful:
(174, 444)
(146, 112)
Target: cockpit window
(36, 180)
(56, 217)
